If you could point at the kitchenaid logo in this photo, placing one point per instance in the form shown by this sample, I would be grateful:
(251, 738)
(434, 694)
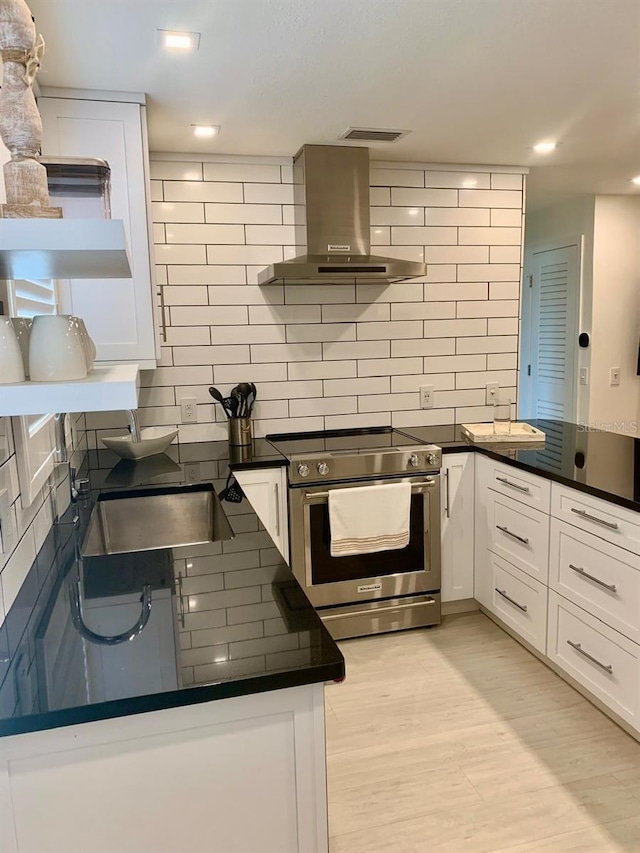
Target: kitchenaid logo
(338, 247)
(370, 587)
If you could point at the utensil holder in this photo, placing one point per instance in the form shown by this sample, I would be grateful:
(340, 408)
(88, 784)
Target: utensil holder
(240, 431)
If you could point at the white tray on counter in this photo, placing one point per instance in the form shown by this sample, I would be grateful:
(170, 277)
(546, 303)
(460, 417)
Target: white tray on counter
(519, 433)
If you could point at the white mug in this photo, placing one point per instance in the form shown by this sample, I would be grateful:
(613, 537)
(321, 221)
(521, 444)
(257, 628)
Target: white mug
(22, 328)
(11, 367)
(87, 344)
(56, 352)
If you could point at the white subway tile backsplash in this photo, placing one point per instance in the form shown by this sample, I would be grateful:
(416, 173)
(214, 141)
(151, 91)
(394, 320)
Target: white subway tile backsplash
(156, 191)
(503, 326)
(204, 274)
(168, 254)
(368, 419)
(466, 397)
(506, 218)
(500, 343)
(251, 334)
(480, 378)
(323, 406)
(356, 313)
(406, 291)
(173, 170)
(268, 193)
(390, 331)
(423, 417)
(489, 272)
(504, 254)
(504, 290)
(302, 294)
(388, 402)
(454, 328)
(246, 295)
(490, 198)
(456, 290)
(490, 236)
(176, 376)
(380, 196)
(212, 315)
(201, 191)
(185, 294)
(269, 427)
(260, 214)
(259, 255)
(355, 349)
(404, 253)
(458, 180)
(423, 311)
(291, 390)
(490, 308)
(397, 177)
(502, 361)
(301, 332)
(157, 397)
(440, 382)
(506, 182)
(158, 234)
(409, 197)
(457, 363)
(191, 234)
(212, 354)
(176, 211)
(231, 374)
(347, 387)
(399, 216)
(429, 346)
(270, 235)
(456, 254)
(322, 369)
(427, 236)
(269, 409)
(242, 172)
(456, 216)
(286, 352)
(389, 366)
(380, 235)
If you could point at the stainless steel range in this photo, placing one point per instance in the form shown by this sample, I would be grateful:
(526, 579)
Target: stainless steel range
(364, 593)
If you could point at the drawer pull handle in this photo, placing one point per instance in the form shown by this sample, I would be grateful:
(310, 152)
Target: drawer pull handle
(610, 586)
(503, 593)
(513, 485)
(610, 524)
(578, 647)
(523, 539)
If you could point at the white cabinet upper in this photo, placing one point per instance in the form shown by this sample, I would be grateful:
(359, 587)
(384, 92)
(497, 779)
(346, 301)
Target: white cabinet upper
(457, 507)
(119, 313)
(266, 491)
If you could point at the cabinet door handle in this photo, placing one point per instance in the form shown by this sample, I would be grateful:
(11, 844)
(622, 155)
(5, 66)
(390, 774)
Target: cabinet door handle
(611, 524)
(610, 586)
(503, 593)
(163, 313)
(578, 647)
(276, 491)
(523, 539)
(513, 485)
(447, 508)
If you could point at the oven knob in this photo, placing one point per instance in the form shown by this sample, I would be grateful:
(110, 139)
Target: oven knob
(323, 468)
(432, 458)
(303, 470)
(414, 460)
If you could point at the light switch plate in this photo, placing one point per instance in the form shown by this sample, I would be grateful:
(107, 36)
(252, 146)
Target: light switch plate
(493, 393)
(584, 375)
(614, 377)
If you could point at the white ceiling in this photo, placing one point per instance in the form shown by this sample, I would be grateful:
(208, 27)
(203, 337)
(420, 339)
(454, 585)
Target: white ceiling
(476, 81)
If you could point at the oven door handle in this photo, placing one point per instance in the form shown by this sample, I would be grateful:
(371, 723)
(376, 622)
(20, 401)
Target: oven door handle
(416, 489)
(422, 603)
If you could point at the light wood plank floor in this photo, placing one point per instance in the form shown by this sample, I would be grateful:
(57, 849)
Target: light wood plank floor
(457, 740)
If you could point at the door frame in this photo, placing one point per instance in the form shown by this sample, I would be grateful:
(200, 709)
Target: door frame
(524, 351)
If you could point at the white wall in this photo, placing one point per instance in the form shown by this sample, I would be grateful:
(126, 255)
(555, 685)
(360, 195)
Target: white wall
(616, 312)
(332, 356)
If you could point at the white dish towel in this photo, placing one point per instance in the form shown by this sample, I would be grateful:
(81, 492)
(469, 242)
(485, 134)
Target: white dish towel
(367, 519)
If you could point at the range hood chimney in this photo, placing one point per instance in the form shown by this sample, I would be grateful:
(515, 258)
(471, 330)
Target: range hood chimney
(332, 223)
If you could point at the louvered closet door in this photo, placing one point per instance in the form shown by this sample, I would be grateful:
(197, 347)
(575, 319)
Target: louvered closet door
(554, 334)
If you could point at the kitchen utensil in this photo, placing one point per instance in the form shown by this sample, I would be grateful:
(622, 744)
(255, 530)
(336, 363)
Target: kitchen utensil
(56, 350)
(226, 402)
(232, 491)
(216, 395)
(10, 354)
(231, 406)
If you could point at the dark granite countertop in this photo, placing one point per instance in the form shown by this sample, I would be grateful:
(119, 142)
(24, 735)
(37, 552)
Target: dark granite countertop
(603, 464)
(227, 619)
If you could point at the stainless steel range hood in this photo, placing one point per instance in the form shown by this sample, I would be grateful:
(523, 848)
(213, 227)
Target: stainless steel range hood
(332, 223)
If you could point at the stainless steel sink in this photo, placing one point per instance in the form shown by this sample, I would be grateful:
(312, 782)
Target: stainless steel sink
(148, 519)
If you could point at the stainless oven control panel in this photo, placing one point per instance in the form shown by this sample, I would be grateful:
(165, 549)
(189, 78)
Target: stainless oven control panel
(341, 465)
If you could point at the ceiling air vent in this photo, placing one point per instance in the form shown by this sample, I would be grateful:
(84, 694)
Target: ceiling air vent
(372, 134)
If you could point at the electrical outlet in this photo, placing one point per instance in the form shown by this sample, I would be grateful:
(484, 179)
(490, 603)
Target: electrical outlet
(493, 392)
(584, 375)
(188, 410)
(192, 472)
(614, 377)
(426, 396)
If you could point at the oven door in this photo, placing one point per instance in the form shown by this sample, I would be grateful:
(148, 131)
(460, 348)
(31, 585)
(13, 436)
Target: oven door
(331, 580)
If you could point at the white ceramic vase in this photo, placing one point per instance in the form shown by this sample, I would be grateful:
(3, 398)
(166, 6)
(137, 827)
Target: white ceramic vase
(22, 328)
(87, 344)
(56, 351)
(11, 367)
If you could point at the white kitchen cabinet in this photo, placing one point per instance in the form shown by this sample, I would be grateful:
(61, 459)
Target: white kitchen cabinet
(236, 775)
(119, 313)
(266, 491)
(457, 508)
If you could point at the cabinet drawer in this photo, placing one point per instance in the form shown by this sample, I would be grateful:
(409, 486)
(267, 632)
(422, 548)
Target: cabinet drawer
(614, 523)
(599, 658)
(514, 483)
(518, 534)
(597, 576)
(519, 600)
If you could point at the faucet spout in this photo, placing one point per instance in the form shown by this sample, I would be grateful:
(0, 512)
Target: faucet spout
(60, 453)
(134, 424)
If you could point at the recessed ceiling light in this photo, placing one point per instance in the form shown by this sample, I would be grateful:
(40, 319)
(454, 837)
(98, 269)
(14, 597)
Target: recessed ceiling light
(173, 40)
(636, 180)
(544, 147)
(205, 130)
